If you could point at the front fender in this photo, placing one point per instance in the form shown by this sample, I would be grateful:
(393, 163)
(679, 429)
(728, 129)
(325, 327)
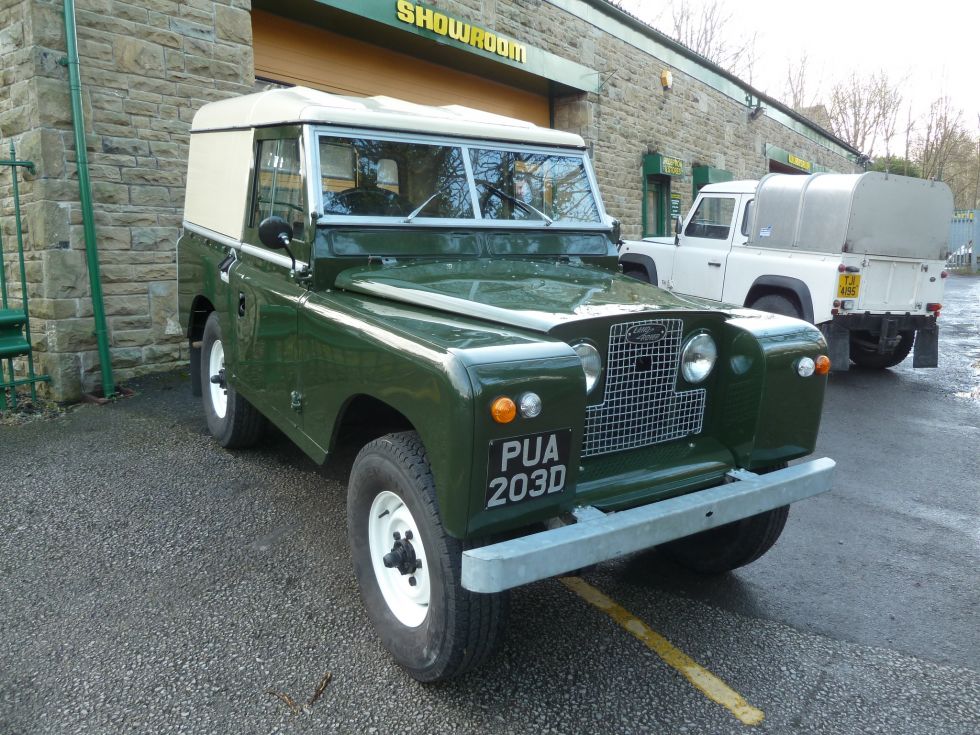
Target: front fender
(775, 344)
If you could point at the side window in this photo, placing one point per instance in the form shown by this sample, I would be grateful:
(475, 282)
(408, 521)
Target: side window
(712, 219)
(746, 216)
(278, 184)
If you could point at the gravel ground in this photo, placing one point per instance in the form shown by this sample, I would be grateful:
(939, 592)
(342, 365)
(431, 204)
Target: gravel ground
(153, 582)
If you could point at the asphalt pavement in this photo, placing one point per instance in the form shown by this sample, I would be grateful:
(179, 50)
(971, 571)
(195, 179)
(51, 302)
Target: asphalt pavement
(153, 582)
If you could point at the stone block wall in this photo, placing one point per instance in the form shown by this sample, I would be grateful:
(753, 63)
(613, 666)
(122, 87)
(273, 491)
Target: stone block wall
(146, 68)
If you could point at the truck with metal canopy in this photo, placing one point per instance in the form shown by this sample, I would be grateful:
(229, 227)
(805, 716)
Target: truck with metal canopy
(441, 286)
(859, 255)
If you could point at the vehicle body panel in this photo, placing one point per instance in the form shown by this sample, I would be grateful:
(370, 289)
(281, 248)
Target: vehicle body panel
(434, 320)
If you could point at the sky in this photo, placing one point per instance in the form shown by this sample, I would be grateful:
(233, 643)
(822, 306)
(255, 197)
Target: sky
(928, 49)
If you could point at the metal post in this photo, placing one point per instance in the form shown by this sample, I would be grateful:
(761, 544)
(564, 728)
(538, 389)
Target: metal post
(23, 276)
(85, 197)
(3, 305)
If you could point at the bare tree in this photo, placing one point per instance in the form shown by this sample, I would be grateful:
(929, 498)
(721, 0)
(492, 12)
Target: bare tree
(703, 30)
(796, 85)
(862, 109)
(942, 135)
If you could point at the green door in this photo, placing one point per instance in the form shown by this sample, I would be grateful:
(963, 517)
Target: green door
(656, 209)
(265, 296)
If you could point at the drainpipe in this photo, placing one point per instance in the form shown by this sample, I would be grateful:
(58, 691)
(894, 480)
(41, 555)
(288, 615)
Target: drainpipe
(85, 197)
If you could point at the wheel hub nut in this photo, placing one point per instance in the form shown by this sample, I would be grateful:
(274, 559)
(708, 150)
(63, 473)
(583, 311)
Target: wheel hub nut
(402, 556)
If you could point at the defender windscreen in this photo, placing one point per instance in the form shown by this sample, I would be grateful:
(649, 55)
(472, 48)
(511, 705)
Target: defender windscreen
(400, 182)
(525, 186)
(383, 178)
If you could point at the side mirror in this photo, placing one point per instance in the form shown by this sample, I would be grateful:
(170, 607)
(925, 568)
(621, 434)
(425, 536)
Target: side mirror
(275, 233)
(617, 232)
(677, 229)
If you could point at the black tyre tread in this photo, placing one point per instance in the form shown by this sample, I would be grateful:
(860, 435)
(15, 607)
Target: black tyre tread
(249, 426)
(871, 360)
(481, 618)
(766, 527)
(481, 614)
(635, 271)
(243, 425)
(776, 303)
(776, 522)
(754, 537)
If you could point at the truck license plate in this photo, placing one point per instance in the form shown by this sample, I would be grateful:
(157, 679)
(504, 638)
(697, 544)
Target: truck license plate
(527, 467)
(848, 285)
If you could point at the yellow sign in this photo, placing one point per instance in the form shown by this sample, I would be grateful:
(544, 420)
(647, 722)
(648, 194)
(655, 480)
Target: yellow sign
(848, 285)
(672, 166)
(443, 25)
(799, 162)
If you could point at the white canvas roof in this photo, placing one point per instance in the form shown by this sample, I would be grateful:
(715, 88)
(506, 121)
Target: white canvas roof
(302, 105)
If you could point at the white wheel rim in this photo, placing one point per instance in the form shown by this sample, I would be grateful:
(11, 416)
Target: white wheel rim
(389, 515)
(219, 395)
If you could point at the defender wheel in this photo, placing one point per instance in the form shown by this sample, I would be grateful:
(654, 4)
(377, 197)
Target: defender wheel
(776, 304)
(733, 545)
(635, 271)
(866, 356)
(408, 567)
(232, 420)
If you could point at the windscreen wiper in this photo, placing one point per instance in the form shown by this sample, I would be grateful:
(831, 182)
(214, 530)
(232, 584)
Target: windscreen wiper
(519, 203)
(414, 213)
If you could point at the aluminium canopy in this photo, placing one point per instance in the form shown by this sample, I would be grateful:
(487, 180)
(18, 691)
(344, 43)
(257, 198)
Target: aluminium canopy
(870, 213)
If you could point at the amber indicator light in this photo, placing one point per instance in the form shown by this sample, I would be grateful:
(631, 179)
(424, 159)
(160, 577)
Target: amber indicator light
(821, 366)
(503, 410)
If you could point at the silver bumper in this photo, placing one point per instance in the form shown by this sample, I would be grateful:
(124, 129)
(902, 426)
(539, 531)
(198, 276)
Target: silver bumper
(599, 536)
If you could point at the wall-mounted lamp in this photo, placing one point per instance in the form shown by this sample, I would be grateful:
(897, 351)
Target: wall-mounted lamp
(666, 79)
(756, 111)
(755, 106)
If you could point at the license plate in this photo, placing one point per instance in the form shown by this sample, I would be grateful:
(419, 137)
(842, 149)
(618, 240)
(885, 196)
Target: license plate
(527, 467)
(848, 285)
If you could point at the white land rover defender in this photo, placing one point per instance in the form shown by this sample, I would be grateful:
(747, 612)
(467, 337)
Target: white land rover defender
(859, 255)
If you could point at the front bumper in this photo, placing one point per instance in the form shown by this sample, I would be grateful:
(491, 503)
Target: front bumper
(598, 536)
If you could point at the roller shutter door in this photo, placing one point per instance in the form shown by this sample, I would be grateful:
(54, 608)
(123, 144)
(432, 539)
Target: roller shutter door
(294, 53)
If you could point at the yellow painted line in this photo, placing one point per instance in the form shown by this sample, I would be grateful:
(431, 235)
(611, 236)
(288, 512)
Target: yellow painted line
(710, 685)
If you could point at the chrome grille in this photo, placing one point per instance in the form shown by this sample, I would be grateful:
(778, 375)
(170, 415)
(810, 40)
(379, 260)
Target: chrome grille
(641, 405)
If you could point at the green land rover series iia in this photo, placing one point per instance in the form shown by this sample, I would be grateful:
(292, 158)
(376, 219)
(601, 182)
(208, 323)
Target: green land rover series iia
(446, 281)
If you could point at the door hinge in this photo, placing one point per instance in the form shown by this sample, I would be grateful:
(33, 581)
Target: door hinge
(296, 401)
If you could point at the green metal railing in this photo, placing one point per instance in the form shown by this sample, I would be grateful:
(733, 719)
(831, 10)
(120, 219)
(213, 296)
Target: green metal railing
(15, 323)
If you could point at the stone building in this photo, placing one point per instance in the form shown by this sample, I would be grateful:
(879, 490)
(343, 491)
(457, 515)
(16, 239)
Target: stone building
(661, 122)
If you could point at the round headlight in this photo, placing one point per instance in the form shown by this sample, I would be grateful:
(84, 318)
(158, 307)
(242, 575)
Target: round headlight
(591, 363)
(698, 357)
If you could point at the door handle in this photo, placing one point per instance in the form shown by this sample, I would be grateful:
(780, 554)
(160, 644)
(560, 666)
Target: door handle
(715, 263)
(241, 304)
(225, 265)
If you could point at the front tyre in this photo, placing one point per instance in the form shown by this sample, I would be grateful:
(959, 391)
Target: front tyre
(733, 545)
(408, 567)
(232, 420)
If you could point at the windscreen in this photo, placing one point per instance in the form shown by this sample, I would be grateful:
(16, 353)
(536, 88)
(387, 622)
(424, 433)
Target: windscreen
(405, 181)
(382, 178)
(528, 186)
